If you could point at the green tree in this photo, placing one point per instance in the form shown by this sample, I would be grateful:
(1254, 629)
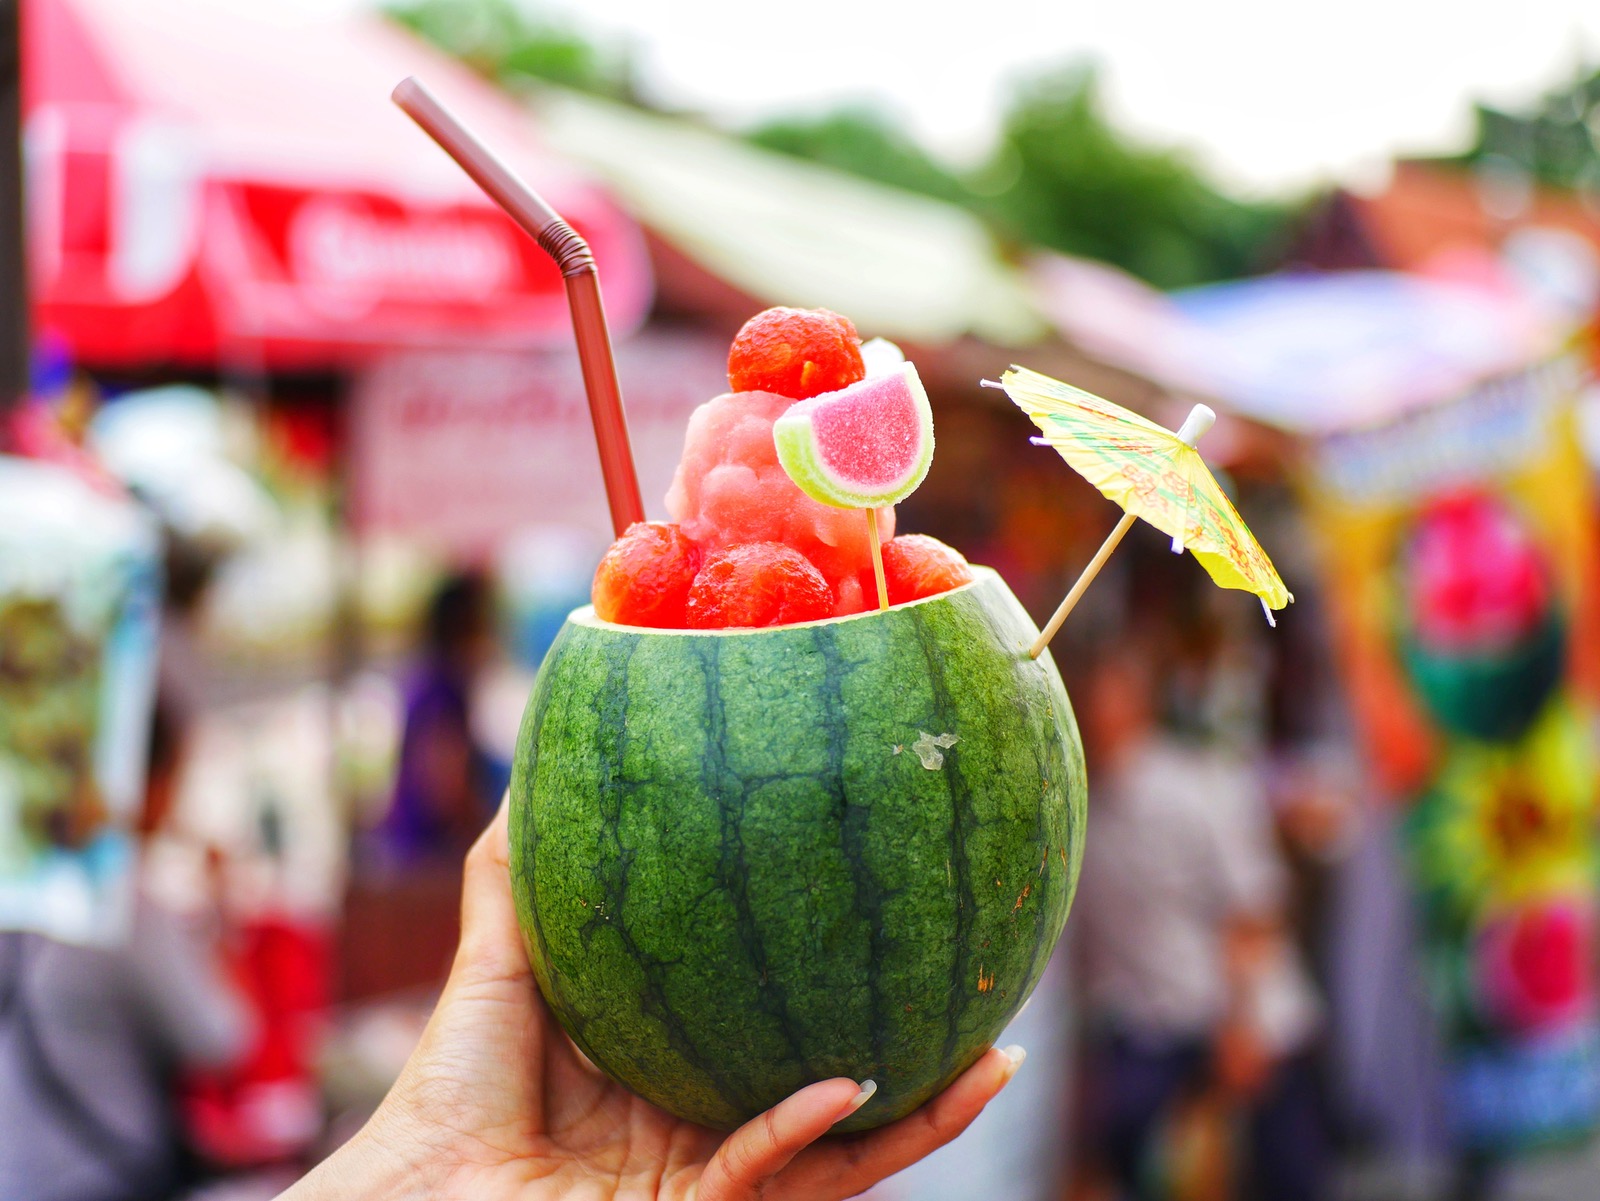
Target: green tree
(1556, 139)
(1063, 176)
(512, 45)
(864, 142)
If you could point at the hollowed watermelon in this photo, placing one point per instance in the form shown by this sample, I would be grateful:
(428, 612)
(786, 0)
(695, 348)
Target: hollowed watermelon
(746, 860)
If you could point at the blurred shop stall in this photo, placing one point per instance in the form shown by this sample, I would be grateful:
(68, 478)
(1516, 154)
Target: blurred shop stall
(1428, 215)
(1427, 501)
(464, 453)
(79, 599)
(1450, 517)
(1321, 353)
(243, 255)
(193, 200)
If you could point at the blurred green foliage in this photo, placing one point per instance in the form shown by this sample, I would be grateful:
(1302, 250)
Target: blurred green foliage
(864, 142)
(1063, 176)
(1060, 175)
(1556, 140)
(513, 45)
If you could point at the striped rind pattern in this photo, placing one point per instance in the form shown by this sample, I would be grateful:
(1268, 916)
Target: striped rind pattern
(736, 875)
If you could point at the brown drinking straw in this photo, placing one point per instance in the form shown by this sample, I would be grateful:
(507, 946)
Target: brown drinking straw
(571, 253)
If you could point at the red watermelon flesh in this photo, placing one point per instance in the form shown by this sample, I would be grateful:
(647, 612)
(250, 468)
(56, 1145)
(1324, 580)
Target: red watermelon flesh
(730, 489)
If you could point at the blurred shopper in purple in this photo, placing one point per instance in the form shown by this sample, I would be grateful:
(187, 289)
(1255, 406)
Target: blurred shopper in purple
(1200, 1013)
(445, 786)
(93, 1040)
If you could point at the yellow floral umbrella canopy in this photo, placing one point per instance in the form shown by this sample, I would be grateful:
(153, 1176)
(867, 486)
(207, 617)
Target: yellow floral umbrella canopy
(1154, 474)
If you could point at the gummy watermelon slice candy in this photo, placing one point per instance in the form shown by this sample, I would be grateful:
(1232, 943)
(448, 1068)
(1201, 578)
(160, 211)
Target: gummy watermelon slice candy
(865, 446)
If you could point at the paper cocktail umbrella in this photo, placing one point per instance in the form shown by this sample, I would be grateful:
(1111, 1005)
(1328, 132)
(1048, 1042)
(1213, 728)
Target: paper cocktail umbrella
(1153, 473)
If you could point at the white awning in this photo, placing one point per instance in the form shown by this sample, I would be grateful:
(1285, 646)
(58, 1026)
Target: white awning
(791, 232)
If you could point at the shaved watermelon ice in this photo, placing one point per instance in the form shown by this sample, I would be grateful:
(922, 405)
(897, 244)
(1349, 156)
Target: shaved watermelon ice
(730, 491)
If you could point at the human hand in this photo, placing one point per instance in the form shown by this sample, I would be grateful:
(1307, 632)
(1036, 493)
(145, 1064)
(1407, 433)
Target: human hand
(496, 1104)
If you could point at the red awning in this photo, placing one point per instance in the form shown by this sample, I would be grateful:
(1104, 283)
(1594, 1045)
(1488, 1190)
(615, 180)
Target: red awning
(213, 182)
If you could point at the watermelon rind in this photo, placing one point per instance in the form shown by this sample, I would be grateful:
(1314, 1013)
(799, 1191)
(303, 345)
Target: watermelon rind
(803, 459)
(747, 860)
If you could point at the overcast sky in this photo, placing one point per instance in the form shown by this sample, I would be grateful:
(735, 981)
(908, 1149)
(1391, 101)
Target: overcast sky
(1272, 94)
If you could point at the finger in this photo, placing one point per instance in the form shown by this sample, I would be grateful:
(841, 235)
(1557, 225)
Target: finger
(491, 1023)
(844, 1169)
(492, 955)
(491, 943)
(763, 1146)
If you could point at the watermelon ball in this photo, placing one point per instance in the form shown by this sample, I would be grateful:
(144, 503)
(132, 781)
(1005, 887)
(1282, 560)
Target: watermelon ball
(798, 353)
(644, 578)
(915, 566)
(756, 585)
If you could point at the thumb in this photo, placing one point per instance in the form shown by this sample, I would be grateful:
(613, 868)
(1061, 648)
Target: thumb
(491, 941)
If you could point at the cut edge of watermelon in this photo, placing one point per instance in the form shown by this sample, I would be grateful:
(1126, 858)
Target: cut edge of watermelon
(794, 435)
(585, 616)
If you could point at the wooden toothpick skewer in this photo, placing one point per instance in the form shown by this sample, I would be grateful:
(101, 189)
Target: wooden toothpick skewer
(1082, 586)
(877, 558)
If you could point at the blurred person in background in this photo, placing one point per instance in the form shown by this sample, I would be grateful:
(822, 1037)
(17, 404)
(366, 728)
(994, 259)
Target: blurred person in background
(446, 786)
(1200, 1013)
(93, 1040)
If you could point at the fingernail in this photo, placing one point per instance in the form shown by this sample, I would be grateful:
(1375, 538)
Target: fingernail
(1016, 1054)
(868, 1087)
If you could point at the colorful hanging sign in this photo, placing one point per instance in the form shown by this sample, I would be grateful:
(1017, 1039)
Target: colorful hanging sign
(1458, 542)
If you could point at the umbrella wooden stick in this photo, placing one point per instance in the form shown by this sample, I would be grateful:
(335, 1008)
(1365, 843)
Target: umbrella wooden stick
(571, 253)
(1082, 586)
(1200, 419)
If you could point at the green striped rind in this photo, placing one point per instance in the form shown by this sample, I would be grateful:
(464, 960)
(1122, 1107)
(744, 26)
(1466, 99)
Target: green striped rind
(736, 877)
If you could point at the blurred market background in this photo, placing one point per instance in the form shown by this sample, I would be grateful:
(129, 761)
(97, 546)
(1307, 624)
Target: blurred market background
(291, 392)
